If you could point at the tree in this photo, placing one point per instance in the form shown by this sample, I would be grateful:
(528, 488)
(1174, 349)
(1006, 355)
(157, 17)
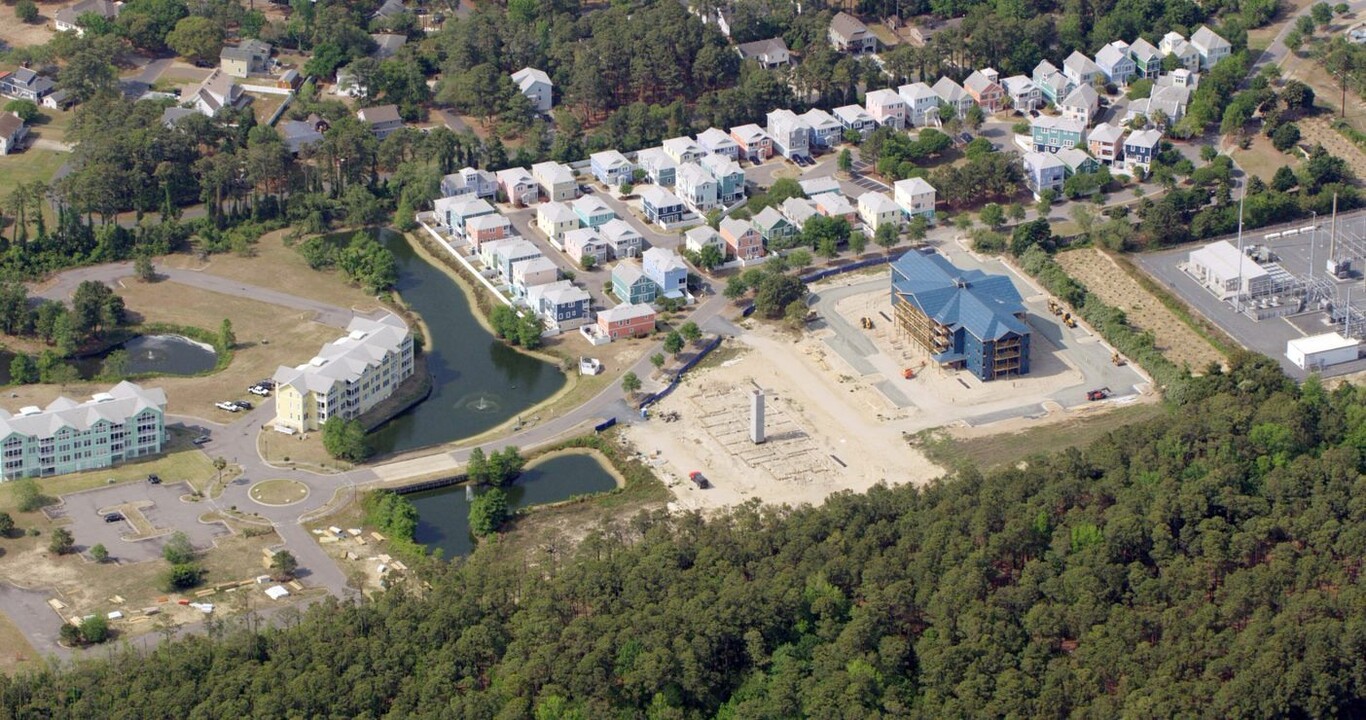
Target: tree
(1139, 89)
(115, 365)
(736, 287)
(799, 258)
(673, 343)
(690, 331)
(27, 496)
(284, 564)
(1031, 234)
(845, 161)
(345, 439)
(1297, 96)
(1286, 136)
(227, 339)
(657, 360)
(182, 577)
(488, 512)
(86, 73)
(477, 466)
(6, 524)
(22, 370)
(630, 383)
(143, 268)
(1283, 181)
(178, 549)
(1015, 212)
(95, 629)
(99, 553)
(27, 110)
(974, 117)
(775, 292)
(61, 542)
(858, 242)
(26, 11)
(993, 216)
(198, 39)
(1322, 14)
(709, 257)
(1208, 153)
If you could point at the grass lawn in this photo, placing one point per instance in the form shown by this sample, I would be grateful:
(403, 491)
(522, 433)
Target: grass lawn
(994, 450)
(28, 166)
(183, 463)
(1263, 160)
(304, 451)
(278, 491)
(52, 124)
(17, 653)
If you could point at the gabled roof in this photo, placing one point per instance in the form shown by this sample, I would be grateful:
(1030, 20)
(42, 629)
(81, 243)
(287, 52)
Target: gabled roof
(1141, 49)
(617, 230)
(818, 185)
(590, 205)
(979, 83)
(884, 97)
(847, 27)
(715, 139)
(387, 44)
(834, 204)
(528, 76)
(949, 91)
(487, 222)
(1143, 138)
(654, 158)
(1080, 64)
(629, 311)
(1040, 161)
(515, 176)
(365, 344)
(1110, 55)
(682, 145)
(1073, 158)
(659, 197)
(798, 210)
(609, 159)
(877, 203)
(820, 120)
(721, 166)
(762, 48)
(733, 228)
(1018, 85)
(11, 124)
(1106, 133)
(390, 8)
(768, 218)
(703, 235)
(553, 172)
(983, 305)
(628, 272)
(583, 238)
(913, 186)
(915, 92)
(1084, 96)
(71, 13)
(556, 212)
(692, 175)
(1044, 69)
(380, 115)
(1048, 122)
(1206, 39)
(749, 133)
(123, 401)
(853, 114)
(664, 260)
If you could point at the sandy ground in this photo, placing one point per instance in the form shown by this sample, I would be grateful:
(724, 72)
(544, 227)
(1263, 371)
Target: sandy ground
(14, 33)
(1102, 276)
(818, 442)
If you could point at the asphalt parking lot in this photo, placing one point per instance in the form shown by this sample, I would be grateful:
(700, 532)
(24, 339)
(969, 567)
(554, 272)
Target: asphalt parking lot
(1268, 337)
(166, 513)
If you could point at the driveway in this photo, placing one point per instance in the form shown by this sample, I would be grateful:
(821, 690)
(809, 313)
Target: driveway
(159, 504)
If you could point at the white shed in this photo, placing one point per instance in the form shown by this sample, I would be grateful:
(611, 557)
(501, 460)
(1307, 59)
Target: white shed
(1320, 351)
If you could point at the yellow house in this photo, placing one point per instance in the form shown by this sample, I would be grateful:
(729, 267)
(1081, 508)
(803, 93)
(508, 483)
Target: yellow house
(347, 377)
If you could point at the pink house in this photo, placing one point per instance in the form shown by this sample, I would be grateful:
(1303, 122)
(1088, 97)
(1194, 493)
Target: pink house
(985, 87)
(755, 144)
(742, 239)
(836, 205)
(484, 228)
(626, 321)
(887, 107)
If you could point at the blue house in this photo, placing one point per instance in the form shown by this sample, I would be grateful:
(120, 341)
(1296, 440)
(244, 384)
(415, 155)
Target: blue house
(631, 285)
(661, 206)
(666, 269)
(561, 304)
(592, 211)
(611, 168)
(966, 319)
(1140, 147)
(1044, 171)
(730, 178)
(1115, 63)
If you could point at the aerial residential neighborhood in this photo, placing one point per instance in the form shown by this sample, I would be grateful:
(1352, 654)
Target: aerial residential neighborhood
(667, 358)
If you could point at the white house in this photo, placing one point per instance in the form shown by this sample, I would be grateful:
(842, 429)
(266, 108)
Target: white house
(954, 95)
(887, 108)
(697, 187)
(915, 196)
(1081, 104)
(218, 91)
(1174, 44)
(1210, 47)
(1082, 70)
(1023, 93)
(537, 88)
(770, 53)
(12, 132)
(683, 149)
(791, 135)
(876, 210)
(702, 236)
(65, 19)
(718, 142)
(922, 104)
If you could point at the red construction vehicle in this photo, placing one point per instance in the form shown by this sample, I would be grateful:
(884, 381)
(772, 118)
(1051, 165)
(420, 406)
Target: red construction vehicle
(699, 480)
(1098, 394)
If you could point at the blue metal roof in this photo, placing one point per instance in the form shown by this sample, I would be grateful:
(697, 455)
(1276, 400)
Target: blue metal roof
(983, 305)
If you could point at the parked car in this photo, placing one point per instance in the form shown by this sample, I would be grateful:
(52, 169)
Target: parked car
(226, 405)
(242, 404)
(267, 384)
(258, 390)
(202, 439)
(113, 517)
(154, 479)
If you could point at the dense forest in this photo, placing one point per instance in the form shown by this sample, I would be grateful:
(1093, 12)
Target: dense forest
(1203, 565)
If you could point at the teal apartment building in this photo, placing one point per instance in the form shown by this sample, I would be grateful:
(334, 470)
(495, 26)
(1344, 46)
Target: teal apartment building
(127, 422)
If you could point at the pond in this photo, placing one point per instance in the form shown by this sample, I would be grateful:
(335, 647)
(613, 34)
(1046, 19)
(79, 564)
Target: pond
(147, 354)
(443, 515)
(478, 382)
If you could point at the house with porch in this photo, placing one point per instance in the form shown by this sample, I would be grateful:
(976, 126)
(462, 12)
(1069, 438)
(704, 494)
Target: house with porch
(743, 240)
(220, 91)
(454, 212)
(717, 142)
(853, 117)
(773, 227)
(383, 120)
(876, 209)
(683, 150)
(508, 253)
(755, 144)
(836, 205)
(1115, 63)
(25, 84)
(627, 320)
(1023, 93)
(245, 58)
(12, 133)
(661, 206)
(482, 229)
(666, 269)
(887, 107)
(702, 236)
(611, 168)
(1077, 161)
(622, 240)
(1051, 134)
(1044, 171)
(1141, 147)
(1173, 43)
(472, 182)
(791, 135)
(1104, 143)
(592, 211)
(952, 94)
(561, 304)
(555, 219)
(1210, 47)
(771, 53)
(586, 242)
(530, 273)
(1147, 59)
(697, 187)
(518, 187)
(916, 196)
(799, 210)
(811, 187)
(68, 18)
(985, 88)
(730, 178)
(557, 181)
(848, 35)
(630, 284)
(826, 129)
(922, 104)
(1082, 70)
(1082, 105)
(537, 87)
(658, 166)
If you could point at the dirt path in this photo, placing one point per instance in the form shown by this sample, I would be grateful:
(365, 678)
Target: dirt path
(1103, 276)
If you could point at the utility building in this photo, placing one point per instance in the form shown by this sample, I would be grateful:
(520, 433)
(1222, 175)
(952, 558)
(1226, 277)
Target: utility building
(1228, 273)
(966, 319)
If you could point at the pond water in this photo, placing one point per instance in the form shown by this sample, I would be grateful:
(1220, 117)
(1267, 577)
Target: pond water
(444, 514)
(159, 354)
(478, 382)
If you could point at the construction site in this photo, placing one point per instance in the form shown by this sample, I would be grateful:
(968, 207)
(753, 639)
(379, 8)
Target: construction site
(1279, 285)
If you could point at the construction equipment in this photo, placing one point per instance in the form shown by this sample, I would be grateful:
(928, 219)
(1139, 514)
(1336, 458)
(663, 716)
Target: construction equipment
(699, 480)
(867, 323)
(1098, 394)
(908, 373)
(1117, 359)
(1054, 307)
(1068, 321)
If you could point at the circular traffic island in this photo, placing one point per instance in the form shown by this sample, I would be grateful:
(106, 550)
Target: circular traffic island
(278, 492)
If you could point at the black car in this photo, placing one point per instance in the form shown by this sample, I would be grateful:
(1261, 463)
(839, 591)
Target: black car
(154, 479)
(113, 517)
(243, 404)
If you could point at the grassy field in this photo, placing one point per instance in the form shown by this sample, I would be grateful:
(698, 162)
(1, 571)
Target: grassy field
(1003, 449)
(16, 653)
(304, 451)
(28, 166)
(279, 491)
(1263, 160)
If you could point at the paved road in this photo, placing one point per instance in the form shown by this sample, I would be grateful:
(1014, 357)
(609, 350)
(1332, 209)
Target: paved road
(1277, 52)
(64, 284)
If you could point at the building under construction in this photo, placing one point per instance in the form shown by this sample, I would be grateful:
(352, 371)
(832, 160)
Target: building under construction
(966, 319)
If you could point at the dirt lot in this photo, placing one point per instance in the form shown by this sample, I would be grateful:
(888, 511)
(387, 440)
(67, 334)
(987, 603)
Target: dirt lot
(818, 442)
(1319, 130)
(1104, 277)
(15, 33)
